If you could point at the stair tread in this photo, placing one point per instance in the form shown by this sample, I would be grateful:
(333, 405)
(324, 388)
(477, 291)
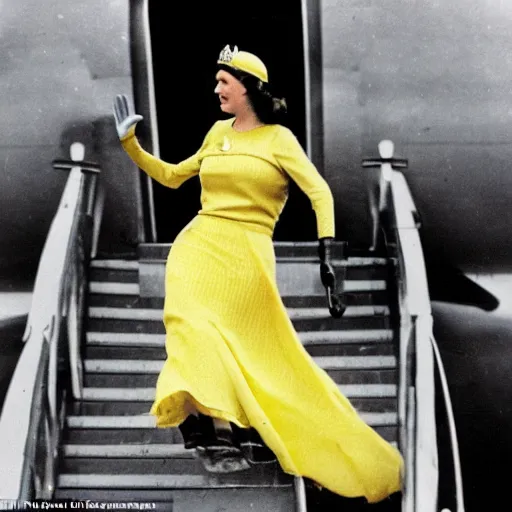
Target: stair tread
(351, 261)
(145, 481)
(274, 499)
(309, 337)
(148, 394)
(128, 288)
(114, 288)
(115, 264)
(127, 450)
(154, 314)
(143, 450)
(145, 421)
(129, 366)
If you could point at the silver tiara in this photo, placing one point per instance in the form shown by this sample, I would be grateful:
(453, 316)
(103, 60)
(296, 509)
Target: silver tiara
(226, 55)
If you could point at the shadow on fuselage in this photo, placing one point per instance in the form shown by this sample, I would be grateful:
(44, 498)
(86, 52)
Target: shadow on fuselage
(474, 345)
(11, 345)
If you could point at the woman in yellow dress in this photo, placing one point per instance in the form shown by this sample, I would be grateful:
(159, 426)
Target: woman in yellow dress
(233, 355)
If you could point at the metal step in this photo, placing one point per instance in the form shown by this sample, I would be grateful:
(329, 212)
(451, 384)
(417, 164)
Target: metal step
(150, 270)
(153, 451)
(123, 271)
(296, 250)
(352, 271)
(126, 373)
(293, 313)
(114, 288)
(356, 271)
(341, 350)
(292, 279)
(148, 422)
(322, 343)
(120, 300)
(148, 394)
(178, 466)
(273, 499)
(365, 317)
(341, 376)
(131, 366)
(128, 451)
(132, 407)
(249, 478)
(140, 339)
(160, 435)
(130, 265)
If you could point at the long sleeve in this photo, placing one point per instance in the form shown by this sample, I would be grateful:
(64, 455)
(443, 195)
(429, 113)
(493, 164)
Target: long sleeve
(293, 160)
(169, 175)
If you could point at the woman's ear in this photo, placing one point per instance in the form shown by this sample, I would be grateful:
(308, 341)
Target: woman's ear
(243, 89)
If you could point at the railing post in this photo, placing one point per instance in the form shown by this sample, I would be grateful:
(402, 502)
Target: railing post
(97, 215)
(300, 495)
(75, 360)
(379, 197)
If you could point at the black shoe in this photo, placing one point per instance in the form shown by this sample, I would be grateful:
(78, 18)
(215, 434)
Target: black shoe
(218, 450)
(190, 431)
(253, 447)
(258, 454)
(222, 460)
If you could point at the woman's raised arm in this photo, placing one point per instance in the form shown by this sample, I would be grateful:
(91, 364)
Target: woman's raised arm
(169, 175)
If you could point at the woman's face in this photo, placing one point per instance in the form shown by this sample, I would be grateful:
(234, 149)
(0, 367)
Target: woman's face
(232, 94)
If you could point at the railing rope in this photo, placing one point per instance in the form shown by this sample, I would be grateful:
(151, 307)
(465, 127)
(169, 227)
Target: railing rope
(409, 495)
(453, 431)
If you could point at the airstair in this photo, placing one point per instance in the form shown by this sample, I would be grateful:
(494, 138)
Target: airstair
(111, 449)
(75, 422)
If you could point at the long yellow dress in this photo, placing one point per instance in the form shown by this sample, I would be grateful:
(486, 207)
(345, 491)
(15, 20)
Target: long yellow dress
(232, 351)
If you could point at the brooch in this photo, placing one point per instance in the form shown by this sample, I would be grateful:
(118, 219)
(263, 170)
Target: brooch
(227, 145)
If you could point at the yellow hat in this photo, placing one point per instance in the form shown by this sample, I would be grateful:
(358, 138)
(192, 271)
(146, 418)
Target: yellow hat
(243, 61)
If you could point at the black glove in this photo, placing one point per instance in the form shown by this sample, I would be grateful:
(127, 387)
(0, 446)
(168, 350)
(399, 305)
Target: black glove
(336, 306)
(326, 270)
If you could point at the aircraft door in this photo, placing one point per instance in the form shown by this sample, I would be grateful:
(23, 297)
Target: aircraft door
(186, 38)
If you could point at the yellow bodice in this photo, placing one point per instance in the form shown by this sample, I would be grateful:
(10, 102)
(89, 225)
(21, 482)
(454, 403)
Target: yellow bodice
(245, 175)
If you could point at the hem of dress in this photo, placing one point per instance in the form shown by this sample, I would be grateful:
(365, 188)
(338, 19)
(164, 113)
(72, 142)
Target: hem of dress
(163, 422)
(226, 416)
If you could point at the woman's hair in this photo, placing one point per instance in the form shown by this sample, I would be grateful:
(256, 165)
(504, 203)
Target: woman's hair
(268, 108)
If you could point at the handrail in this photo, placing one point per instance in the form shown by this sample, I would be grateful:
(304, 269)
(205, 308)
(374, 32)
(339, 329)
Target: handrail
(427, 353)
(34, 409)
(417, 366)
(418, 357)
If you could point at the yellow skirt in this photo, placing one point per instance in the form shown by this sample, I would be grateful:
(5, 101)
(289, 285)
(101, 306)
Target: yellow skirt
(233, 353)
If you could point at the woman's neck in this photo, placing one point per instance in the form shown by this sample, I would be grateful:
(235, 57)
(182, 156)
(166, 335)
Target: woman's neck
(246, 121)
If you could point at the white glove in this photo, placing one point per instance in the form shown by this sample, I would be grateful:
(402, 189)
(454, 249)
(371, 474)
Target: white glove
(126, 119)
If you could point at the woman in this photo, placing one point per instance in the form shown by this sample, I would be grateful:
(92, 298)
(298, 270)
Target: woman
(234, 361)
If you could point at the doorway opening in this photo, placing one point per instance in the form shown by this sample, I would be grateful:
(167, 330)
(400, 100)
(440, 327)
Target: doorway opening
(186, 39)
